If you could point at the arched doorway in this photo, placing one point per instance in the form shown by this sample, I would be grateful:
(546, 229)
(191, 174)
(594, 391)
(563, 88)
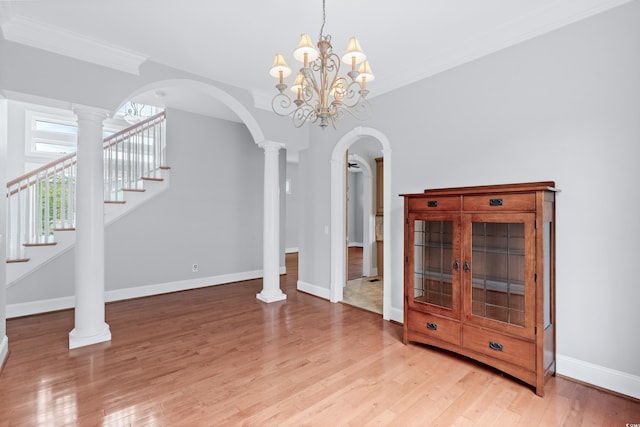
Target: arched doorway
(338, 209)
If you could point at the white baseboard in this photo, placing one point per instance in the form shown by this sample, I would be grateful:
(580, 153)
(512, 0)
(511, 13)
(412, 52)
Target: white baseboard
(599, 376)
(4, 350)
(43, 306)
(180, 285)
(316, 290)
(291, 250)
(396, 314)
(40, 306)
(356, 245)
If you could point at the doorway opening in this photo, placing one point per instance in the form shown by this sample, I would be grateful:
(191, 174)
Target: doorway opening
(360, 136)
(364, 278)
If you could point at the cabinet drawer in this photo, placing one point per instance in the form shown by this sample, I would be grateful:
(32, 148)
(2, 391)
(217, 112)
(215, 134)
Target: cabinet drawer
(435, 326)
(500, 202)
(494, 344)
(434, 204)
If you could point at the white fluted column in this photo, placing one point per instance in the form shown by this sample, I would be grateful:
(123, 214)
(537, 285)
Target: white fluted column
(271, 235)
(90, 326)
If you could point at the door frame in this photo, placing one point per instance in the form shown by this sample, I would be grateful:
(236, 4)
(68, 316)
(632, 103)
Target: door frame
(368, 217)
(338, 209)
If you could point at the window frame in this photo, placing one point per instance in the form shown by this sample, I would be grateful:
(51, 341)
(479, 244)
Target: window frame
(34, 136)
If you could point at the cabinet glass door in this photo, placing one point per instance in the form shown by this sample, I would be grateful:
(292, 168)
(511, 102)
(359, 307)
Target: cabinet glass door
(499, 275)
(435, 248)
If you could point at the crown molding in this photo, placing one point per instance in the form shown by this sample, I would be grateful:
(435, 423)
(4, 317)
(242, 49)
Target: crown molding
(537, 23)
(63, 42)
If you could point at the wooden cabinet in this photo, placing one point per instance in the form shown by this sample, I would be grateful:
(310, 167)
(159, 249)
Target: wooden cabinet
(480, 275)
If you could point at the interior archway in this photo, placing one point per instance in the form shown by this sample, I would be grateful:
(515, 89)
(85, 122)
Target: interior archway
(338, 209)
(212, 91)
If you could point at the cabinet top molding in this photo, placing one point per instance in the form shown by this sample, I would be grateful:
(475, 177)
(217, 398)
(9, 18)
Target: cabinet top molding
(483, 189)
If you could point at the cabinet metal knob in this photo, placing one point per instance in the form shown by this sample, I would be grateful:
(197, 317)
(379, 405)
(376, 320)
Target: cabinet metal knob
(456, 265)
(432, 326)
(495, 346)
(466, 266)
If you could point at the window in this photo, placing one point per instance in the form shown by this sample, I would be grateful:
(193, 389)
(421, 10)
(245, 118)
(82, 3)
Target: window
(54, 135)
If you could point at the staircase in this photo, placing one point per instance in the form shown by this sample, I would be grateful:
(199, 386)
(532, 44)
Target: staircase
(41, 204)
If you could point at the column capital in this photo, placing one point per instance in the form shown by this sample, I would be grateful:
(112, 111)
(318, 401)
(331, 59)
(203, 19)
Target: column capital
(87, 112)
(267, 145)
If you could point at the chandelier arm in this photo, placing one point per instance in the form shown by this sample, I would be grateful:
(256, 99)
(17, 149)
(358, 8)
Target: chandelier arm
(310, 86)
(302, 115)
(282, 105)
(352, 95)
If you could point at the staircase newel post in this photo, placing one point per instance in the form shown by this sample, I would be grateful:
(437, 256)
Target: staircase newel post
(90, 326)
(271, 241)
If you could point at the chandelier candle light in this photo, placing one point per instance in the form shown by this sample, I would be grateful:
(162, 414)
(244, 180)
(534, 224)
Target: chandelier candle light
(319, 91)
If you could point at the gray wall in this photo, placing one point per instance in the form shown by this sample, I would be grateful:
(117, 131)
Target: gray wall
(3, 219)
(41, 77)
(36, 75)
(355, 208)
(211, 215)
(292, 208)
(564, 106)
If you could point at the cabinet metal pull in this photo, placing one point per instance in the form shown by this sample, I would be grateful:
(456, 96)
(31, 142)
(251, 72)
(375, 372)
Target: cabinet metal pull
(432, 326)
(432, 203)
(466, 267)
(495, 202)
(456, 265)
(495, 346)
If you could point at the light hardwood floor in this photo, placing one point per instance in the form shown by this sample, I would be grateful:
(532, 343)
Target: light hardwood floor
(218, 357)
(362, 292)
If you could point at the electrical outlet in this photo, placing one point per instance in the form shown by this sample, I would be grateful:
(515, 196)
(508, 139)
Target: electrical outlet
(195, 268)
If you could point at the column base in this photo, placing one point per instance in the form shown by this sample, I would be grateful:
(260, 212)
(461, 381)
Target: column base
(77, 340)
(271, 296)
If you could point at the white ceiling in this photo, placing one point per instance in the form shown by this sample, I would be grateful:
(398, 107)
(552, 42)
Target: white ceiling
(234, 41)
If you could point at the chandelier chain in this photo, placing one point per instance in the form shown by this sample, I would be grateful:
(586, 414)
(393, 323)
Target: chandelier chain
(324, 18)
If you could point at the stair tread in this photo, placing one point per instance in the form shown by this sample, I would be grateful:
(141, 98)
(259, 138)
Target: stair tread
(40, 244)
(10, 261)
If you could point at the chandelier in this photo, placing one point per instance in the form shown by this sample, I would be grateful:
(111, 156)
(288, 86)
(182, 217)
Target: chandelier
(320, 93)
(133, 112)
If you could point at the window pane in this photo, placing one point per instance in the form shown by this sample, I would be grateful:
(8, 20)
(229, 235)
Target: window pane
(498, 262)
(56, 127)
(433, 252)
(44, 147)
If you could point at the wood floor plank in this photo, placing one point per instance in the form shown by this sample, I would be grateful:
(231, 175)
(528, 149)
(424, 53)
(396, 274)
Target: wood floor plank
(218, 356)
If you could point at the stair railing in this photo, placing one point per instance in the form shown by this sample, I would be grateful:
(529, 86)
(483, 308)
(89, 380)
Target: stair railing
(134, 154)
(44, 200)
